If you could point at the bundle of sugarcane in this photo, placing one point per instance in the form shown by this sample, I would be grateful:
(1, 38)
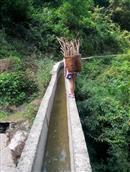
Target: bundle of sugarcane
(70, 51)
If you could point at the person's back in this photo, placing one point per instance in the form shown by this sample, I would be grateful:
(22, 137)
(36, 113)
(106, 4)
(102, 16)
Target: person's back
(72, 61)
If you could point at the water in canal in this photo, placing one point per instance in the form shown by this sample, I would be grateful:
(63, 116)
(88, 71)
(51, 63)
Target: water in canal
(57, 156)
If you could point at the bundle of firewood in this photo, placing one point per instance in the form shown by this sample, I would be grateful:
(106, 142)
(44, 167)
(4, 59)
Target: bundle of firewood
(69, 48)
(70, 51)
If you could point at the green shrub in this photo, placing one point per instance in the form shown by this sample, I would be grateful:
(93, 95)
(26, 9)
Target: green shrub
(14, 11)
(16, 63)
(103, 91)
(94, 26)
(2, 115)
(10, 47)
(30, 112)
(98, 33)
(15, 88)
(43, 73)
(121, 13)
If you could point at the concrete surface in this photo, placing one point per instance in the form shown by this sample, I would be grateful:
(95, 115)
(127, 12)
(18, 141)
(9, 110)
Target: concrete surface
(80, 161)
(6, 161)
(32, 156)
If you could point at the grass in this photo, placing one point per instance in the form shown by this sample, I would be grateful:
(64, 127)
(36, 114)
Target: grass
(42, 76)
(27, 112)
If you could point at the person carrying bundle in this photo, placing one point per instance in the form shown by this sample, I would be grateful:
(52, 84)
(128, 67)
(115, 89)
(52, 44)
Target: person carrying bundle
(72, 61)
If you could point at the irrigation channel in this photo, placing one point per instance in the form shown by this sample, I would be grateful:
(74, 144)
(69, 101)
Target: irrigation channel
(57, 156)
(56, 141)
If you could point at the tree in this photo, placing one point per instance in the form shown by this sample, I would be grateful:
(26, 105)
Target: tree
(121, 13)
(102, 3)
(14, 11)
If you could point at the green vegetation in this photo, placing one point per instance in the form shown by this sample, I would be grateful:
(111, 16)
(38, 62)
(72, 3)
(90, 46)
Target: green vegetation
(121, 13)
(43, 73)
(103, 92)
(37, 26)
(15, 87)
(21, 86)
(28, 30)
(26, 112)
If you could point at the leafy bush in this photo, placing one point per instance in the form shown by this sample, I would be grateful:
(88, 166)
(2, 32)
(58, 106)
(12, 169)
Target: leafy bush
(31, 110)
(62, 18)
(43, 73)
(41, 31)
(15, 63)
(10, 47)
(102, 3)
(14, 11)
(121, 13)
(94, 26)
(2, 115)
(103, 91)
(16, 88)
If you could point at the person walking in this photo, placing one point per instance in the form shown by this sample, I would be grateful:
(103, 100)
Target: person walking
(70, 76)
(72, 61)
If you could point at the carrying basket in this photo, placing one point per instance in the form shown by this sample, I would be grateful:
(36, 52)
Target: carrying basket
(73, 63)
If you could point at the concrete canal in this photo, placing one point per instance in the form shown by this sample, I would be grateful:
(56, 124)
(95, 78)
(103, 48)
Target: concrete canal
(57, 156)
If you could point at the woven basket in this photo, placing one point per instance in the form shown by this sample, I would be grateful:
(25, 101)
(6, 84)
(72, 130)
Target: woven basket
(73, 63)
